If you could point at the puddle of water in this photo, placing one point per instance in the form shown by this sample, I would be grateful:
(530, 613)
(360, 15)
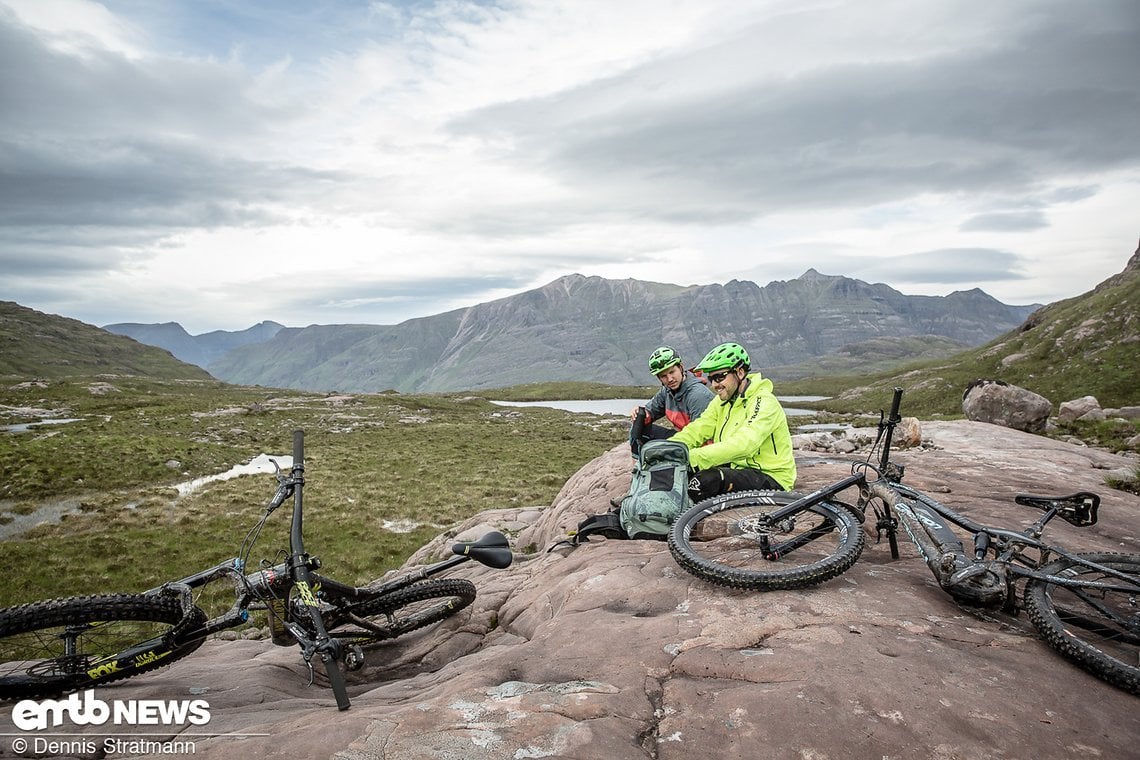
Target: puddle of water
(49, 513)
(260, 464)
(54, 511)
(26, 426)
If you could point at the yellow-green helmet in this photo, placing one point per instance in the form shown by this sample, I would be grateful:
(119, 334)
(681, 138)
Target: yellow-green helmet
(662, 359)
(724, 356)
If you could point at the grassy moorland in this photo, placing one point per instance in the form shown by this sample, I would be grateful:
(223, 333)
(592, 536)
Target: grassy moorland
(384, 473)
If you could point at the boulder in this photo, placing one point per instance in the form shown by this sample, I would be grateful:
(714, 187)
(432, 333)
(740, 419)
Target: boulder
(1000, 403)
(1078, 408)
(849, 440)
(1125, 412)
(611, 650)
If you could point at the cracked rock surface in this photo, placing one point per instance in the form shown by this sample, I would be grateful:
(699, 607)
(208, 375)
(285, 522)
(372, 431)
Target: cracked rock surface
(613, 651)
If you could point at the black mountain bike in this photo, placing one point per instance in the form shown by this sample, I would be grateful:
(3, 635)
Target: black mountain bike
(1086, 606)
(58, 646)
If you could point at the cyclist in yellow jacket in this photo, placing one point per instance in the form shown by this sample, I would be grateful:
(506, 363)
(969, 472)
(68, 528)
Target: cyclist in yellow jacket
(751, 445)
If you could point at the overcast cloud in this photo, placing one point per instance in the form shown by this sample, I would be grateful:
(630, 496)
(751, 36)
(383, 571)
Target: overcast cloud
(220, 162)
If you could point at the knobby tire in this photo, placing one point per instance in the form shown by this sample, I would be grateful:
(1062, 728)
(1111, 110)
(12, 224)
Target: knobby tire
(718, 540)
(399, 612)
(34, 637)
(1097, 629)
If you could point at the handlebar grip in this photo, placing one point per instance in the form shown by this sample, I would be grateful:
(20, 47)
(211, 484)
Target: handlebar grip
(298, 447)
(336, 680)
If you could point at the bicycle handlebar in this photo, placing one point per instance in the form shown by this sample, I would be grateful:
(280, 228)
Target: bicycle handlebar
(299, 448)
(895, 402)
(887, 428)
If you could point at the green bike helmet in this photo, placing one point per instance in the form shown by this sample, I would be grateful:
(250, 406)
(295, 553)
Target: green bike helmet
(662, 359)
(724, 356)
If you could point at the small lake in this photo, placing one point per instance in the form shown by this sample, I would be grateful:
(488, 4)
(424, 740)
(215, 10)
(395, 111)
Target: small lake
(623, 406)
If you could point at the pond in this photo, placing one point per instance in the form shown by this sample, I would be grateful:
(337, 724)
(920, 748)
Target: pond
(623, 406)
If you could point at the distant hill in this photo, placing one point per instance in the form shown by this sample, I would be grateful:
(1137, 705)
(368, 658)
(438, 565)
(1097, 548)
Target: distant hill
(595, 329)
(872, 356)
(1087, 345)
(34, 344)
(194, 349)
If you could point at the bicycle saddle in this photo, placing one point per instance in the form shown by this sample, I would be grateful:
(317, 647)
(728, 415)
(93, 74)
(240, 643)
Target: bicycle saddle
(492, 549)
(1078, 508)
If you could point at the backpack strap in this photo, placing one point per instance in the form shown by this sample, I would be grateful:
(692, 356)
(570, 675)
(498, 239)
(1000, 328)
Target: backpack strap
(607, 525)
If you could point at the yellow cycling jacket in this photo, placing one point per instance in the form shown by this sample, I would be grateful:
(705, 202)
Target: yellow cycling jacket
(748, 431)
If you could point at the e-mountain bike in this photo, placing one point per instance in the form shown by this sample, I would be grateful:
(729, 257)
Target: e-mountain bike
(57, 646)
(1085, 605)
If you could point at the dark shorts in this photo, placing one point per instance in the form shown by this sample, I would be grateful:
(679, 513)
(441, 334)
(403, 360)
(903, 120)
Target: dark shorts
(718, 480)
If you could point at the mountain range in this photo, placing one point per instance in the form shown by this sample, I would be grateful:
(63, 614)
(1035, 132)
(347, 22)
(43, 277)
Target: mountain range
(194, 349)
(593, 329)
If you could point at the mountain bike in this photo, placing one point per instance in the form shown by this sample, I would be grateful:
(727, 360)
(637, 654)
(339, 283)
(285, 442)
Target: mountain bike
(58, 646)
(1085, 605)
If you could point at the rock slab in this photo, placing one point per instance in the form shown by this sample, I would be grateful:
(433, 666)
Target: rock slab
(612, 651)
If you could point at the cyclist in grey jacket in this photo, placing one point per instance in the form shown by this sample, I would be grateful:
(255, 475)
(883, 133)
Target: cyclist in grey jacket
(681, 399)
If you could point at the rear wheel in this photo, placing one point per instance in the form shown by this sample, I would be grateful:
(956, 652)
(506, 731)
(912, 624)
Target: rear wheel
(1099, 629)
(720, 540)
(60, 645)
(394, 614)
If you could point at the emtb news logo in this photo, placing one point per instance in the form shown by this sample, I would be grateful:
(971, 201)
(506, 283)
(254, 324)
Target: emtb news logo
(87, 710)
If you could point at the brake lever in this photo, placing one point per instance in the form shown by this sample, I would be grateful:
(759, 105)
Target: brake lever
(284, 490)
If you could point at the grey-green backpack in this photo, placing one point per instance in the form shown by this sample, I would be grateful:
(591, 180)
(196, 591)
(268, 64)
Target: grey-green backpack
(658, 494)
(659, 490)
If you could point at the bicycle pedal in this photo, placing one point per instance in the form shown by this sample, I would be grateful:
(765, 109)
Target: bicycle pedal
(354, 658)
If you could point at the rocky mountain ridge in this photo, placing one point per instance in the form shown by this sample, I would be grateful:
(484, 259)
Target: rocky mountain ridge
(595, 329)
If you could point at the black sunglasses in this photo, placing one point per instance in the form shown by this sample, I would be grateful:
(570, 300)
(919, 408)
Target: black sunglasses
(717, 377)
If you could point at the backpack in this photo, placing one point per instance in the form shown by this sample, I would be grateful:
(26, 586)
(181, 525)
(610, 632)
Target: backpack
(659, 490)
(658, 494)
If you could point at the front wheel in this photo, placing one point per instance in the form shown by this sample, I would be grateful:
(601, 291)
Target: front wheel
(1097, 628)
(720, 540)
(402, 611)
(61, 645)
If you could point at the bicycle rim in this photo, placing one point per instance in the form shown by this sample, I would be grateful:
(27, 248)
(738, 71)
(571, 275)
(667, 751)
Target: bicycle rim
(387, 616)
(719, 540)
(60, 645)
(1095, 628)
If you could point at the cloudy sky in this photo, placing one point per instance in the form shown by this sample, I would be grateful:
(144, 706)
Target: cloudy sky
(220, 162)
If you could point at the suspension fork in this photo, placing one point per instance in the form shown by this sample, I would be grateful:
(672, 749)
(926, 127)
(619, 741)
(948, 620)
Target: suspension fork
(938, 545)
(321, 644)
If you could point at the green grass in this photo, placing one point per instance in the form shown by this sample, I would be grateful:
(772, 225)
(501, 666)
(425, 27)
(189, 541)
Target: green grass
(429, 460)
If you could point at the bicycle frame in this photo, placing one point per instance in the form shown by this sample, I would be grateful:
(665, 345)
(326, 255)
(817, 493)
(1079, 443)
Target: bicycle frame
(304, 619)
(970, 578)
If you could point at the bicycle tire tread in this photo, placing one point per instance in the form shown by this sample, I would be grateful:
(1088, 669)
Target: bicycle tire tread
(49, 613)
(454, 594)
(767, 580)
(1038, 605)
